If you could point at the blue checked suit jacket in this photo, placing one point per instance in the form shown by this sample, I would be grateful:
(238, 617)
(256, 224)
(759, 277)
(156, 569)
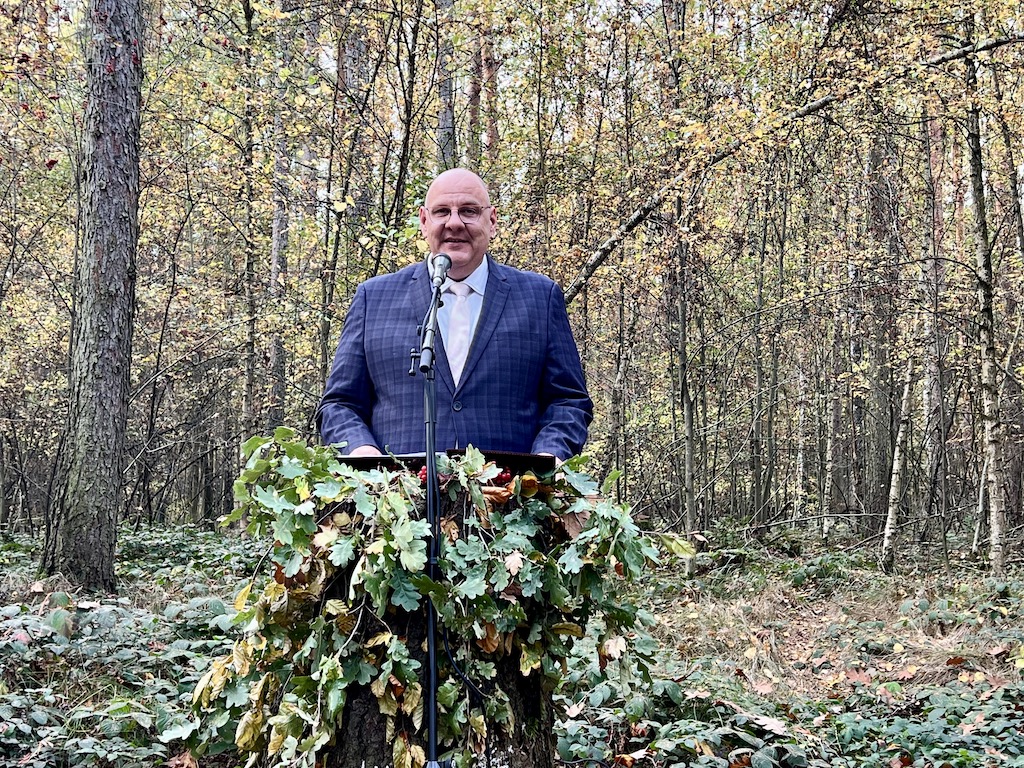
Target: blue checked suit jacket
(522, 387)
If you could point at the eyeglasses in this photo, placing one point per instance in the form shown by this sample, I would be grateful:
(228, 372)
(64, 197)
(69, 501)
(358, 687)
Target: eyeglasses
(468, 214)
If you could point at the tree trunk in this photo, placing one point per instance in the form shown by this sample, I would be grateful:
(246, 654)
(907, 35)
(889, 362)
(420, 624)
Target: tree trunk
(830, 490)
(81, 525)
(1011, 167)
(994, 450)
(979, 511)
(932, 281)
(361, 740)
(5, 509)
(689, 438)
(407, 70)
(833, 428)
(686, 399)
(446, 156)
(490, 70)
(249, 405)
(757, 502)
(476, 86)
(619, 455)
(279, 248)
(899, 460)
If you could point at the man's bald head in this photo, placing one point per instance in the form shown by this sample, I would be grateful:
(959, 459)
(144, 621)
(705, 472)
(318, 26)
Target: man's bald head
(457, 218)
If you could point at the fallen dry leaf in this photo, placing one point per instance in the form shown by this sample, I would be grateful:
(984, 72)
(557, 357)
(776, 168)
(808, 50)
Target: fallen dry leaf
(858, 676)
(184, 760)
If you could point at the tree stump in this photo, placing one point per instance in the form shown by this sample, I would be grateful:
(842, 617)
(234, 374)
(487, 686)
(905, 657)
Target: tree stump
(361, 741)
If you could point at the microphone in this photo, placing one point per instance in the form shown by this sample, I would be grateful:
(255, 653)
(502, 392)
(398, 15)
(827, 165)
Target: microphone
(439, 268)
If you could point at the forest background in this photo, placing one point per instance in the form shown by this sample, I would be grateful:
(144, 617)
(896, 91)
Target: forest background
(790, 235)
(791, 239)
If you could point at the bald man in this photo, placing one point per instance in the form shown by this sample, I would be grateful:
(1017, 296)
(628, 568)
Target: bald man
(508, 371)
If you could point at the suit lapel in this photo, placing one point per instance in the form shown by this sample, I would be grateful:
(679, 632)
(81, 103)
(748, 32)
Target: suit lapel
(490, 313)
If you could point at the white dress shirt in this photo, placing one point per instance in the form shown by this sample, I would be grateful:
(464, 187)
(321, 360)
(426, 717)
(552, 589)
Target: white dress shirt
(478, 281)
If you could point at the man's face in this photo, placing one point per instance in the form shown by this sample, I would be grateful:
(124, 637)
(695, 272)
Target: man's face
(444, 228)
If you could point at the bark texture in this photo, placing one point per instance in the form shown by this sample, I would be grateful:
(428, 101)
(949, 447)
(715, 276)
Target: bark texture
(81, 523)
(361, 741)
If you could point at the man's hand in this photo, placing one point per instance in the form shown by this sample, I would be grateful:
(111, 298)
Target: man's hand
(365, 450)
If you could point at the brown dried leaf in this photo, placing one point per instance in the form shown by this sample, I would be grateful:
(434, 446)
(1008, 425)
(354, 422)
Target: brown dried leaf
(400, 753)
(496, 495)
(907, 673)
(450, 529)
(241, 657)
(490, 642)
(184, 760)
(412, 700)
(858, 676)
(397, 686)
(249, 731)
(574, 522)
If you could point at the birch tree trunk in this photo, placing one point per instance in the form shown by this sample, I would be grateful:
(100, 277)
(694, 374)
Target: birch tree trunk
(988, 360)
(81, 524)
(899, 462)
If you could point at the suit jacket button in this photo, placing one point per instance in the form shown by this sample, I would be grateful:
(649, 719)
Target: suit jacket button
(457, 406)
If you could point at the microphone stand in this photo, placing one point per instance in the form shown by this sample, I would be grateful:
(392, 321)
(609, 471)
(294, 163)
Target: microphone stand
(424, 360)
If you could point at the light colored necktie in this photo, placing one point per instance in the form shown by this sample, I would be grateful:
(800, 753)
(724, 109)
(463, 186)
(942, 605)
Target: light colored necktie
(457, 343)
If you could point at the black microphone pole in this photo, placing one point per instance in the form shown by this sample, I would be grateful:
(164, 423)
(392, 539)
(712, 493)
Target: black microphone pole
(428, 332)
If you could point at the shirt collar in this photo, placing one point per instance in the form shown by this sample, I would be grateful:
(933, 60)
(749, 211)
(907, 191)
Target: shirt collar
(477, 279)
